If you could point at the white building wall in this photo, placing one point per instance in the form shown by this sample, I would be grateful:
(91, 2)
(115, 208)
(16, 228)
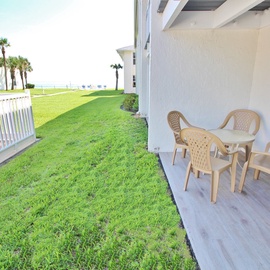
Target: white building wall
(142, 88)
(126, 54)
(128, 72)
(202, 73)
(3, 83)
(260, 94)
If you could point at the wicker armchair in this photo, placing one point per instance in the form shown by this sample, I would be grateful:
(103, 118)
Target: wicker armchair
(174, 119)
(260, 161)
(245, 120)
(200, 143)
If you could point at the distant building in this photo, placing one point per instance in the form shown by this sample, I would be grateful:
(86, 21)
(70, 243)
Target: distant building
(17, 82)
(128, 56)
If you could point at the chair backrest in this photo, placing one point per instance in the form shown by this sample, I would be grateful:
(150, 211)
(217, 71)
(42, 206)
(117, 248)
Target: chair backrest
(243, 119)
(200, 143)
(174, 120)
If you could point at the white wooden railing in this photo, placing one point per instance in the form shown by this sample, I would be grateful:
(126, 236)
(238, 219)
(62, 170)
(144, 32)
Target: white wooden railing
(16, 124)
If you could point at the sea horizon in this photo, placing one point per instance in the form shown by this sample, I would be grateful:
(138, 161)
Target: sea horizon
(46, 85)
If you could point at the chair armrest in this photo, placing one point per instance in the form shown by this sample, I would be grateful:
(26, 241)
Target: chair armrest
(222, 126)
(225, 122)
(188, 124)
(221, 147)
(260, 153)
(253, 155)
(265, 153)
(232, 152)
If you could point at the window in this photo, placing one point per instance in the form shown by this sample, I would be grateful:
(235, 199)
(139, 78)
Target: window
(134, 59)
(134, 81)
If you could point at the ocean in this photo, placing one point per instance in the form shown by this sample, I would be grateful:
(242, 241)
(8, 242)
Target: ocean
(69, 86)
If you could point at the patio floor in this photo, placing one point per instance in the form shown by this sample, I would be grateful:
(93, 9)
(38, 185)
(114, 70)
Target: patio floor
(234, 233)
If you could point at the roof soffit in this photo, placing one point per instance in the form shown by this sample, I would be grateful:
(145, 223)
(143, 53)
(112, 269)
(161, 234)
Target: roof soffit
(220, 12)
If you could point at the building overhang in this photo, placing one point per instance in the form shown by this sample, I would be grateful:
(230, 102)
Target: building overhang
(214, 14)
(123, 50)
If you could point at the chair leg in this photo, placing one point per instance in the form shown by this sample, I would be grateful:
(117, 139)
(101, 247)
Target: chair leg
(243, 177)
(184, 151)
(187, 176)
(248, 150)
(214, 186)
(174, 153)
(233, 172)
(256, 174)
(196, 173)
(216, 152)
(233, 175)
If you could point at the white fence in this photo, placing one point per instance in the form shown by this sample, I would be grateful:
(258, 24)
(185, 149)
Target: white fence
(16, 124)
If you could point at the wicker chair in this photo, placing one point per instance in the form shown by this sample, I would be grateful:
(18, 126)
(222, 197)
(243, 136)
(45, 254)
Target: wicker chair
(174, 120)
(243, 120)
(200, 143)
(260, 161)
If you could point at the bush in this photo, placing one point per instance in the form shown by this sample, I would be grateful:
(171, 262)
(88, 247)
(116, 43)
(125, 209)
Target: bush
(130, 102)
(29, 85)
(136, 104)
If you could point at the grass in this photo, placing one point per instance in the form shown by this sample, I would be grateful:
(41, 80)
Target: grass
(89, 195)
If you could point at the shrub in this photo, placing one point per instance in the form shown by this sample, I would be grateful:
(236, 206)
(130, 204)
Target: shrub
(130, 102)
(136, 104)
(29, 85)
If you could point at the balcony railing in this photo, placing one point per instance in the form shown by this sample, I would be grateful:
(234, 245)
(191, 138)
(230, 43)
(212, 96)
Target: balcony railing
(16, 124)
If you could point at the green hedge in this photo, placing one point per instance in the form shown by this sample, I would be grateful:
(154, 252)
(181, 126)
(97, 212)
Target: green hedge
(29, 85)
(131, 102)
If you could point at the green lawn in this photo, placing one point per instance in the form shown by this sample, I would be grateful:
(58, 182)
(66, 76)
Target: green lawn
(88, 195)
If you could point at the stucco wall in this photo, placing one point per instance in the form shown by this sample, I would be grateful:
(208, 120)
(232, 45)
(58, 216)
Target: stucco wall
(260, 94)
(202, 73)
(128, 71)
(142, 62)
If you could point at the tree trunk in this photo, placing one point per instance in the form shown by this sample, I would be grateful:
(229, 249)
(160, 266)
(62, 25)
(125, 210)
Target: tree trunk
(12, 75)
(21, 74)
(25, 76)
(5, 66)
(116, 75)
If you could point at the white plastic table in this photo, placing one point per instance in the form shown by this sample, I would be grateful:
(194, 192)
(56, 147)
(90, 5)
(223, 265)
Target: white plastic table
(234, 138)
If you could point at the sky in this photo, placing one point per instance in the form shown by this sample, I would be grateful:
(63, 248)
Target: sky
(68, 41)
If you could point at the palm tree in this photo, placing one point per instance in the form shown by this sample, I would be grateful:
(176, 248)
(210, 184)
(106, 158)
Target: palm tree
(4, 43)
(12, 64)
(22, 64)
(116, 67)
(1, 62)
(28, 68)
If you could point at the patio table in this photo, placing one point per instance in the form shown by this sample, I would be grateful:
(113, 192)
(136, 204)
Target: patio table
(234, 138)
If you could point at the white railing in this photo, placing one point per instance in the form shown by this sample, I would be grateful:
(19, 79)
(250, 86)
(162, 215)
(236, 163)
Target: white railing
(16, 121)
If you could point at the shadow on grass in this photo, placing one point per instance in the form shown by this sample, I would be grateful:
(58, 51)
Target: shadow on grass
(72, 119)
(104, 93)
(108, 103)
